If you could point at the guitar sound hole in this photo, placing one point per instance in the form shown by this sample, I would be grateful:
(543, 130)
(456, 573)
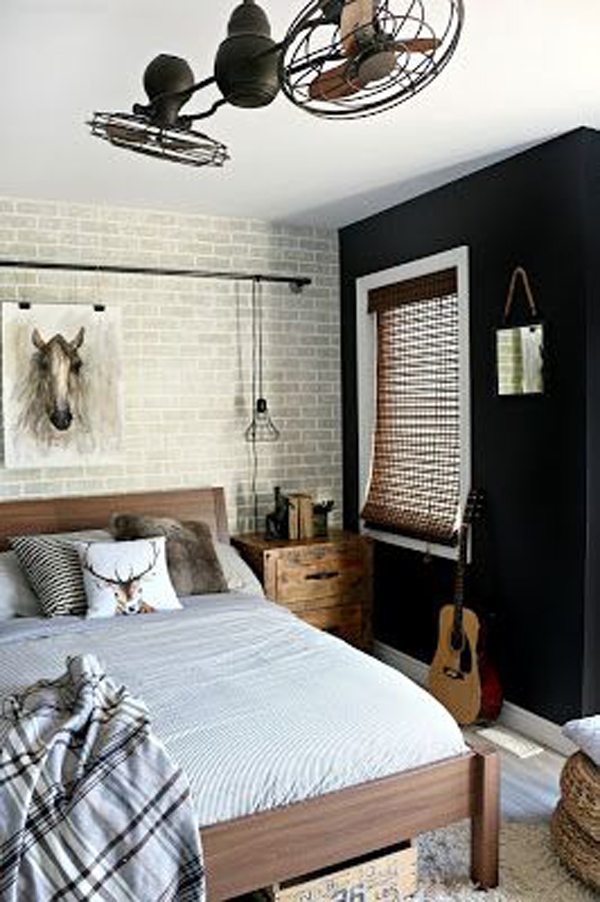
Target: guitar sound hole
(457, 641)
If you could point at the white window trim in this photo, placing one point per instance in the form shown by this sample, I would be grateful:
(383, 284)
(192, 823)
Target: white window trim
(366, 339)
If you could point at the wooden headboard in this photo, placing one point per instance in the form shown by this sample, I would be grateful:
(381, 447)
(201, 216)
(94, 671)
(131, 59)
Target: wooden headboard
(43, 515)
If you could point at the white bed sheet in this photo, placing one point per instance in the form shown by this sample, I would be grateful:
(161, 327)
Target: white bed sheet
(260, 709)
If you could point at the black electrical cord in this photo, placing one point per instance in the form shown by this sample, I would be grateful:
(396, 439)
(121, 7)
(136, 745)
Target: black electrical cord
(256, 350)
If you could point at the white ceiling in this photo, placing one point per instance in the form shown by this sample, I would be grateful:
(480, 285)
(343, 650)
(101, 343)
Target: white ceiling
(525, 70)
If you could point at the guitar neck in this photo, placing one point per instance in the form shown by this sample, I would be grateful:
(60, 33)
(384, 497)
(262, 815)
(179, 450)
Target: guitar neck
(471, 507)
(459, 580)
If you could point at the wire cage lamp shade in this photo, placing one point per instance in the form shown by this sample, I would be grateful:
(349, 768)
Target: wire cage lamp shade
(179, 145)
(399, 49)
(261, 428)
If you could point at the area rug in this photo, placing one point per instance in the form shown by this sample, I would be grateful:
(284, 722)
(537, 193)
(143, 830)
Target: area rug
(529, 869)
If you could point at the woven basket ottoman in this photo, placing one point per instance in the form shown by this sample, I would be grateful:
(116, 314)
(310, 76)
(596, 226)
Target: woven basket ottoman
(575, 824)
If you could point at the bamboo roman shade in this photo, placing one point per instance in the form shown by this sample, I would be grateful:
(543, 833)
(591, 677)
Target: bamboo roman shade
(415, 473)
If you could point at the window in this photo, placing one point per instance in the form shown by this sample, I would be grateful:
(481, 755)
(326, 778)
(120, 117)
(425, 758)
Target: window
(414, 400)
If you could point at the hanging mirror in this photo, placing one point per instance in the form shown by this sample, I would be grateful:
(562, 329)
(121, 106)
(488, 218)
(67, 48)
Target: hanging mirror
(520, 360)
(520, 349)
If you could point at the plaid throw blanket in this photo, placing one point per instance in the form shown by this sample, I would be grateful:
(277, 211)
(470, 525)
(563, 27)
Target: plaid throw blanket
(91, 807)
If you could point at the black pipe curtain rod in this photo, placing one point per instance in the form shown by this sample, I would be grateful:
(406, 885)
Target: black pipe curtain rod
(296, 283)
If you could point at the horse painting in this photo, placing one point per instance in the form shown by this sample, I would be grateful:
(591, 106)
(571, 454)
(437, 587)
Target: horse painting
(61, 385)
(54, 391)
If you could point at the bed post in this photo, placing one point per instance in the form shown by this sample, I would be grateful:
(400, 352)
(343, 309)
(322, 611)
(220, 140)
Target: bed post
(485, 817)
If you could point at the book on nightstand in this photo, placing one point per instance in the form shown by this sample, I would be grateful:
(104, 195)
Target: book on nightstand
(300, 516)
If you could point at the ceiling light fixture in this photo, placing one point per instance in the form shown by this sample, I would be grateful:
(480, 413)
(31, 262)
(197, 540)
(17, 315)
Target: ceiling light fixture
(340, 59)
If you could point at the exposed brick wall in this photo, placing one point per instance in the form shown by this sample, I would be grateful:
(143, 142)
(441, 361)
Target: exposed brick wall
(188, 351)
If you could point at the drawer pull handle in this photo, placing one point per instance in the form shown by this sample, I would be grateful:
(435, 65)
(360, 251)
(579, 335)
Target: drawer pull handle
(324, 574)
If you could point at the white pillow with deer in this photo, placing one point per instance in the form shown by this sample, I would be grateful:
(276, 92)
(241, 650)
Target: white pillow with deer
(127, 578)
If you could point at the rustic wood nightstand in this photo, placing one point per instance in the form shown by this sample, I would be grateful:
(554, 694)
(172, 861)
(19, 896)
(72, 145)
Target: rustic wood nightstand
(325, 581)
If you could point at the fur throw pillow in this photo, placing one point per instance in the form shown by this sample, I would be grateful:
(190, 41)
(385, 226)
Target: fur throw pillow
(192, 561)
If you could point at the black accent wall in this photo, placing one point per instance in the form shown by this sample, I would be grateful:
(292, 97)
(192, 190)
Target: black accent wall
(536, 569)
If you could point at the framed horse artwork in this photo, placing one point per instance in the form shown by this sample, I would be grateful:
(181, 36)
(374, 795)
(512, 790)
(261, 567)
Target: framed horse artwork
(62, 385)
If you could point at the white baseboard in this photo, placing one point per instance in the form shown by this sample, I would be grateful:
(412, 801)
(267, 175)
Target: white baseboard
(512, 716)
(546, 732)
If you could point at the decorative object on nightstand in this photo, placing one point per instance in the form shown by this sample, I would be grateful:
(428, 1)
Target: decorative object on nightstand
(300, 516)
(293, 517)
(325, 581)
(276, 522)
(321, 511)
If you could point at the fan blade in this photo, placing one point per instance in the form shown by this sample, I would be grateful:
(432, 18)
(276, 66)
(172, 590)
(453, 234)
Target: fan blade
(332, 85)
(121, 133)
(356, 15)
(417, 45)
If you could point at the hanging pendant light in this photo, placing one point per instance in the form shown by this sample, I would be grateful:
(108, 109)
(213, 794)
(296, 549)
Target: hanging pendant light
(262, 428)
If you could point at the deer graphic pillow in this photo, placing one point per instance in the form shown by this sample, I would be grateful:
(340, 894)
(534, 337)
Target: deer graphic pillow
(127, 578)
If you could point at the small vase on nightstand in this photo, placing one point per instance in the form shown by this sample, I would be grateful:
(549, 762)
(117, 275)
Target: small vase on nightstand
(320, 515)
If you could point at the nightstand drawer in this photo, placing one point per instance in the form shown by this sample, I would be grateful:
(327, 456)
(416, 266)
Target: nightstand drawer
(345, 622)
(319, 572)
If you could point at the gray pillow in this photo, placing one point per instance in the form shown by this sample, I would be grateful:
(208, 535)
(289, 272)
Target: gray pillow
(192, 561)
(585, 733)
(17, 598)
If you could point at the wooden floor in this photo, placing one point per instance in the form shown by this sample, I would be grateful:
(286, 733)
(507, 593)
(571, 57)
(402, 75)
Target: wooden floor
(529, 785)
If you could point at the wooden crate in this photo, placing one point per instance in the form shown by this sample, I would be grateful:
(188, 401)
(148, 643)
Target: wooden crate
(390, 875)
(325, 581)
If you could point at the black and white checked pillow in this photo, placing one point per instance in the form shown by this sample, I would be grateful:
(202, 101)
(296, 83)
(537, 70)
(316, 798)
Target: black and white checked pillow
(52, 567)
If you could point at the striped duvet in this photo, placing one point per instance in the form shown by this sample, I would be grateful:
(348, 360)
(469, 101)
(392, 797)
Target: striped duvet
(258, 708)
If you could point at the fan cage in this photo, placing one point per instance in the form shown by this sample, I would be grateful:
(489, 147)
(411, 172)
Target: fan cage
(312, 46)
(187, 146)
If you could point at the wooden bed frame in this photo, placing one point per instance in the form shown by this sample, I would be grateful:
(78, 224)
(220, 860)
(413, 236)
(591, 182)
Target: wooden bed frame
(255, 851)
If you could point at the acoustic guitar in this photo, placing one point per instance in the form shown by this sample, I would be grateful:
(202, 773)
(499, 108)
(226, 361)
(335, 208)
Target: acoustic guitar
(461, 677)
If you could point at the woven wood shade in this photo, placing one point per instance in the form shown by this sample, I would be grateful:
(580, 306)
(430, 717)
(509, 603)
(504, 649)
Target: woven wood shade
(415, 479)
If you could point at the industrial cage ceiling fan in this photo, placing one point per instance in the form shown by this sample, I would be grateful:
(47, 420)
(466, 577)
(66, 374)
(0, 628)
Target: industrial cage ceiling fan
(340, 59)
